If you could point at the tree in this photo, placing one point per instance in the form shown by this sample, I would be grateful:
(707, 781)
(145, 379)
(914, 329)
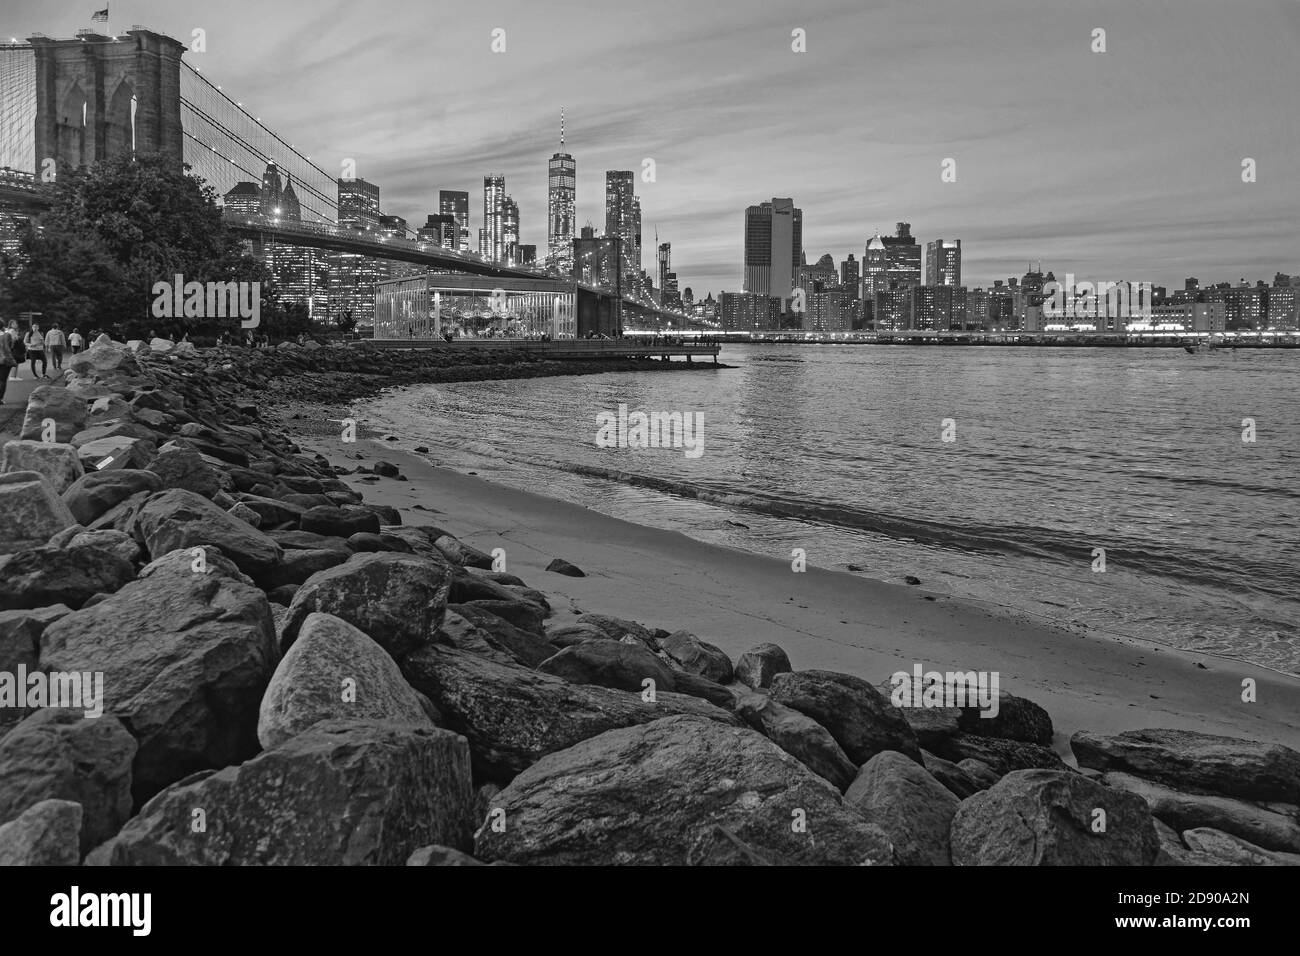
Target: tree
(117, 228)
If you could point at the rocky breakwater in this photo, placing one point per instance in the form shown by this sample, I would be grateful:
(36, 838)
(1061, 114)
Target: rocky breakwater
(273, 671)
(290, 373)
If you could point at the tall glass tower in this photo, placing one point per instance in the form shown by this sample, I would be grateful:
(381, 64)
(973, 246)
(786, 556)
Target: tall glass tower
(561, 192)
(493, 232)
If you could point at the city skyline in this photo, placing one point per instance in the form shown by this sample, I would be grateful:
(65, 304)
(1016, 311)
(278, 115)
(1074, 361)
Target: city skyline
(1144, 181)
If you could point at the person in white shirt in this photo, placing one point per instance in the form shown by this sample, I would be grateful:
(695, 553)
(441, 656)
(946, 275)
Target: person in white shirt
(35, 342)
(55, 341)
(76, 341)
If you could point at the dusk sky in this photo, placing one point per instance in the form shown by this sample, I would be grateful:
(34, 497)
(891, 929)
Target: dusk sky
(1123, 164)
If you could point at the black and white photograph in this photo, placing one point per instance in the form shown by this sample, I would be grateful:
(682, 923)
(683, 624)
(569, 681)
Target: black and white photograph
(852, 433)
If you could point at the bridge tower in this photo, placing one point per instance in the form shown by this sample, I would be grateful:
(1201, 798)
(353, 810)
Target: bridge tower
(99, 96)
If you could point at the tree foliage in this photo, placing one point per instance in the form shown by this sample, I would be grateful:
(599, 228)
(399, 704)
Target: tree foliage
(117, 228)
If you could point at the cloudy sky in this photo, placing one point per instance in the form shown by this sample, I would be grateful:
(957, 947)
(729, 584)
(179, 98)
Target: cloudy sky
(1122, 164)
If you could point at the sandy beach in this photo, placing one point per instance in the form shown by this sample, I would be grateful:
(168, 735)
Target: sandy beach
(824, 619)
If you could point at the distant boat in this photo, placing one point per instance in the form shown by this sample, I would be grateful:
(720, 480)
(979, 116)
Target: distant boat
(1192, 349)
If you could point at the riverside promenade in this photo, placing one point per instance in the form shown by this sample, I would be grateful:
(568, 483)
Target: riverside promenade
(630, 347)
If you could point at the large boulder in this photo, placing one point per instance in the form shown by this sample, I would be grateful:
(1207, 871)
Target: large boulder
(954, 778)
(798, 735)
(1229, 850)
(339, 522)
(1000, 756)
(44, 576)
(1231, 766)
(62, 754)
(562, 635)
(180, 466)
(1187, 811)
(698, 657)
(117, 542)
(20, 647)
(345, 792)
(186, 657)
(299, 564)
(1015, 719)
(862, 721)
(119, 451)
(57, 462)
(525, 615)
(760, 664)
(397, 599)
(624, 666)
(462, 554)
(334, 670)
(441, 856)
(525, 647)
(65, 408)
(513, 716)
(1053, 818)
(648, 794)
(913, 808)
(96, 493)
(617, 628)
(121, 428)
(178, 519)
(46, 834)
(31, 512)
(458, 631)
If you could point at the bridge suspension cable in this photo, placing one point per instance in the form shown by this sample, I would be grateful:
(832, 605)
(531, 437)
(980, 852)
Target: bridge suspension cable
(226, 144)
(18, 107)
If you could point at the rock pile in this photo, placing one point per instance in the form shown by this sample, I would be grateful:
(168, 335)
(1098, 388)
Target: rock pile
(292, 675)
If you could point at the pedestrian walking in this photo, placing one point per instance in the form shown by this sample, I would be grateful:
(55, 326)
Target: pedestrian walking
(6, 362)
(16, 348)
(35, 344)
(55, 343)
(76, 341)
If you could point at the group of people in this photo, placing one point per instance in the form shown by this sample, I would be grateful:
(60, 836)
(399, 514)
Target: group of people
(36, 347)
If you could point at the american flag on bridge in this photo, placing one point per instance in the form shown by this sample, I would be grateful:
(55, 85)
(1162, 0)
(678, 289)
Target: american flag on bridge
(100, 16)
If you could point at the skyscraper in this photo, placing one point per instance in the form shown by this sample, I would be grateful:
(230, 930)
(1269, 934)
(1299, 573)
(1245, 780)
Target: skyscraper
(773, 248)
(850, 277)
(622, 219)
(244, 197)
(455, 203)
(636, 237)
(904, 259)
(442, 230)
(510, 231)
(943, 262)
(875, 264)
(561, 201)
(665, 265)
(271, 191)
(358, 204)
(492, 235)
(290, 209)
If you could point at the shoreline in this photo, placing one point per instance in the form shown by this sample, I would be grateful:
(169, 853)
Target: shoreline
(825, 619)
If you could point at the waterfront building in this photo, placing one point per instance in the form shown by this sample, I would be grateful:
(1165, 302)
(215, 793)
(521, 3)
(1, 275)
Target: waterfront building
(943, 262)
(773, 249)
(455, 203)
